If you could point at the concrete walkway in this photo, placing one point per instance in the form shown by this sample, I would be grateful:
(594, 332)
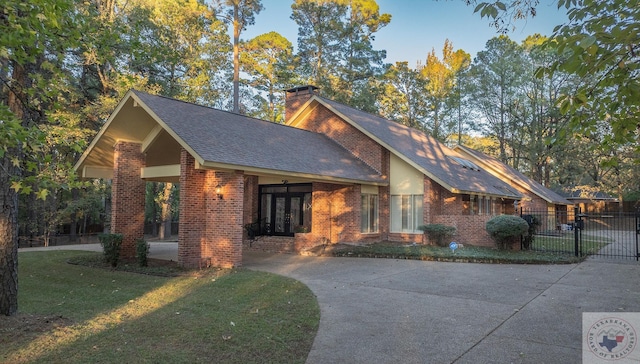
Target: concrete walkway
(403, 311)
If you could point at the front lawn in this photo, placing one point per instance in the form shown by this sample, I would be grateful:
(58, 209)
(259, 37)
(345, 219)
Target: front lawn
(472, 254)
(566, 244)
(79, 314)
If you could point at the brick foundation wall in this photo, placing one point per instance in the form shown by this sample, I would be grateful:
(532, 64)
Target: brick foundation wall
(282, 244)
(128, 196)
(470, 229)
(211, 228)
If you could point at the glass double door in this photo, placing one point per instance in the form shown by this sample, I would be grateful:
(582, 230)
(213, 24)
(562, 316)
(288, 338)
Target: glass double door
(285, 211)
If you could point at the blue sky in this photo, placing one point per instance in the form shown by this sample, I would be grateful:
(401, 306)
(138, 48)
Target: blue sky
(417, 26)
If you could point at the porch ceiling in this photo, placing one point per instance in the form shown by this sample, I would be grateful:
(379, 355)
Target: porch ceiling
(132, 123)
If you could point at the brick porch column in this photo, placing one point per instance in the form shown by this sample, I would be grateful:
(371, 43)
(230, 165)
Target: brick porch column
(211, 228)
(192, 212)
(225, 223)
(128, 196)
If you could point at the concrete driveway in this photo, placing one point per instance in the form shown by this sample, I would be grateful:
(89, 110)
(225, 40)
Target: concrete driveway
(404, 311)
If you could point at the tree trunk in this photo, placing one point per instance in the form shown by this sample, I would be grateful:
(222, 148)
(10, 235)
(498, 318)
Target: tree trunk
(165, 213)
(9, 208)
(73, 226)
(236, 59)
(8, 242)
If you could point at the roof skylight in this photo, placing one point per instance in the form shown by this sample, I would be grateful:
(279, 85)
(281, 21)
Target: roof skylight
(465, 163)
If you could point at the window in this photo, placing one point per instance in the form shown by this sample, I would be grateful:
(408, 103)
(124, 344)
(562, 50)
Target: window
(369, 213)
(406, 213)
(481, 205)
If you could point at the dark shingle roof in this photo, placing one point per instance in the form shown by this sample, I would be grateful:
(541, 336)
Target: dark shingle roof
(425, 152)
(227, 138)
(516, 176)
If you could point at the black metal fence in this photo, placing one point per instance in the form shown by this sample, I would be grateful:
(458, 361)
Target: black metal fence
(611, 235)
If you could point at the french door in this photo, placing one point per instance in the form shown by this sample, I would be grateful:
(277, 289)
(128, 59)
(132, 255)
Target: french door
(285, 210)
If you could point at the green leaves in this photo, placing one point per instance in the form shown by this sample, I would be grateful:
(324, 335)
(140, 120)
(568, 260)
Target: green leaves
(490, 10)
(600, 45)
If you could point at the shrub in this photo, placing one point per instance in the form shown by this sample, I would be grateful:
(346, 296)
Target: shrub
(505, 230)
(440, 234)
(142, 252)
(533, 222)
(111, 247)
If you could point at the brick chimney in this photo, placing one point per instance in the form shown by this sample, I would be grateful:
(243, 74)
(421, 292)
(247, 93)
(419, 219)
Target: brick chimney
(296, 97)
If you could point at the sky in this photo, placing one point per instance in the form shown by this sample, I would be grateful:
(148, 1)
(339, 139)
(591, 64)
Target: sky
(417, 26)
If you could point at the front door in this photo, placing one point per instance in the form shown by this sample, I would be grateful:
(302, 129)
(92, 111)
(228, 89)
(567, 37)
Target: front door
(286, 213)
(285, 210)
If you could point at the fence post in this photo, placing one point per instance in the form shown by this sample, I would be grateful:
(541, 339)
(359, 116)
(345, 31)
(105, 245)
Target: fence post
(637, 232)
(521, 236)
(576, 229)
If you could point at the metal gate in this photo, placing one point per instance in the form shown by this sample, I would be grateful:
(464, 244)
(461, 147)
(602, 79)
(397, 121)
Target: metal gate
(606, 235)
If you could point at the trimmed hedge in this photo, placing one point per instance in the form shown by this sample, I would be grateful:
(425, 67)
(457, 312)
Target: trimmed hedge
(439, 233)
(505, 230)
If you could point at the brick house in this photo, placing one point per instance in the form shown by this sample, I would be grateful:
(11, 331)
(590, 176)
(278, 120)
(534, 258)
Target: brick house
(330, 174)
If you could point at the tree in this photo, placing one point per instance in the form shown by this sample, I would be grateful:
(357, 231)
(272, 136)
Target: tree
(269, 62)
(34, 39)
(543, 126)
(402, 99)
(318, 33)
(497, 76)
(241, 13)
(442, 89)
(335, 47)
(358, 61)
(600, 45)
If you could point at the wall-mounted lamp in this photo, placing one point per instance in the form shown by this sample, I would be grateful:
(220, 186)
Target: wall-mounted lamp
(219, 191)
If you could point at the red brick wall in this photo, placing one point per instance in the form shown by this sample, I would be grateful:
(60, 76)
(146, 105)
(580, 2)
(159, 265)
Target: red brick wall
(251, 195)
(192, 223)
(211, 228)
(283, 244)
(225, 219)
(128, 196)
(336, 212)
(321, 120)
(470, 229)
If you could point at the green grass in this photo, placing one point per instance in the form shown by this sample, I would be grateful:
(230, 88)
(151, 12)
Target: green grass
(80, 314)
(566, 244)
(472, 254)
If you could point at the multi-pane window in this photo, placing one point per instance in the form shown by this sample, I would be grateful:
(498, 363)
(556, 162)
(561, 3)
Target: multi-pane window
(406, 213)
(369, 213)
(481, 205)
